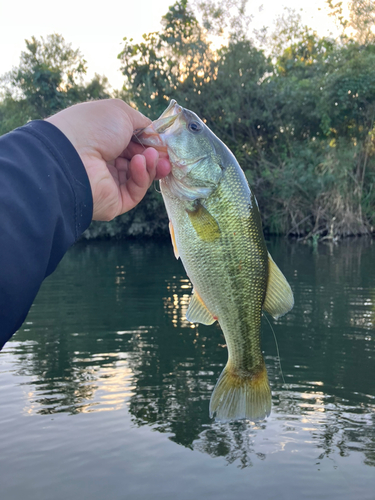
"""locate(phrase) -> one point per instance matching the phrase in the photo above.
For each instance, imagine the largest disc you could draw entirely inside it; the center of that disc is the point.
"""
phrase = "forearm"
(45, 205)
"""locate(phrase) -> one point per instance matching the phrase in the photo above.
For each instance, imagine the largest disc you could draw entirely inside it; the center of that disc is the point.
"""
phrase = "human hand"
(119, 171)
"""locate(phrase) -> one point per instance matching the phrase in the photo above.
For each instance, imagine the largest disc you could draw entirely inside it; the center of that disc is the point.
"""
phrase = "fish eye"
(194, 127)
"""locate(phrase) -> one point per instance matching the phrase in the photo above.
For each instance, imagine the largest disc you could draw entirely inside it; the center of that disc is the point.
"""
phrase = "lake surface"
(104, 392)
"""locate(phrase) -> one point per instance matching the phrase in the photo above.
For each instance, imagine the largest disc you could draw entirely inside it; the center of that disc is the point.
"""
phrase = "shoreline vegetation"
(296, 109)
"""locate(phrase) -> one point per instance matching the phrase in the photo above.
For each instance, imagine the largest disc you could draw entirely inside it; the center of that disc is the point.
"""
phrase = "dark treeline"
(296, 109)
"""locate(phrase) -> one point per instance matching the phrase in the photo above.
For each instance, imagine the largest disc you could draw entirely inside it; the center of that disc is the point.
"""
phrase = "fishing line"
(277, 348)
(136, 139)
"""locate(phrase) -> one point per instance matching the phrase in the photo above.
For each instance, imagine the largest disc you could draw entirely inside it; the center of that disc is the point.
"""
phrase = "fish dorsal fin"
(279, 296)
(175, 249)
(197, 311)
(204, 223)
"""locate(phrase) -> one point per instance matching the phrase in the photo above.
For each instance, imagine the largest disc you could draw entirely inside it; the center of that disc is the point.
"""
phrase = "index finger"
(132, 149)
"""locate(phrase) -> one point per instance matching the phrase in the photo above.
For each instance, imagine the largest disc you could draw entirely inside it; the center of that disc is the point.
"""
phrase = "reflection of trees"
(347, 431)
(110, 326)
(78, 320)
(328, 336)
(175, 379)
(234, 441)
(59, 383)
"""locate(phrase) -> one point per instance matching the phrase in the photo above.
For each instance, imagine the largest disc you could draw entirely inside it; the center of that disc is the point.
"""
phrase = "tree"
(299, 121)
(48, 79)
(225, 17)
(166, 64)
(13, 113)
(358, 24)
(49, 72)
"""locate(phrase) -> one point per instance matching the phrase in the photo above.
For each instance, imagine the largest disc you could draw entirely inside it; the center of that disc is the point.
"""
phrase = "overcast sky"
(98, 29)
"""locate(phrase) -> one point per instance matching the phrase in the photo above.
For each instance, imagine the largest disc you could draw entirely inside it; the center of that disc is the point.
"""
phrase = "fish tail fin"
(240, 394)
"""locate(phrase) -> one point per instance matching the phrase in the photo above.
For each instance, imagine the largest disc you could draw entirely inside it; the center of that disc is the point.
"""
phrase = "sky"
(98, 29)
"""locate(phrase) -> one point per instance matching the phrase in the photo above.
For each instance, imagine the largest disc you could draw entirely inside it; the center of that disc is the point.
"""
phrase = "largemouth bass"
(216, 230)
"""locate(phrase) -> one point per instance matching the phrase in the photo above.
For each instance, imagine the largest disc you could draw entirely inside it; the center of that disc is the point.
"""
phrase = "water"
(104, 391)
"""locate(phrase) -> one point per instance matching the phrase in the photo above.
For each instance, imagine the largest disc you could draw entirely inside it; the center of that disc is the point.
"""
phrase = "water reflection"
(108, 330)
(234, 441)
(177, 300)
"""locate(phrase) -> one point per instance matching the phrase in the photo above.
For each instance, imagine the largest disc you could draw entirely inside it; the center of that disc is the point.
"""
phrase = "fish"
(216, 231)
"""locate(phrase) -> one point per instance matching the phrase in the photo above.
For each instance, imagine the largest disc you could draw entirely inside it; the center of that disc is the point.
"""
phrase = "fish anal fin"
(279, 296)
(175, 250)
(241, 395)
(197, 311)
(204, 223)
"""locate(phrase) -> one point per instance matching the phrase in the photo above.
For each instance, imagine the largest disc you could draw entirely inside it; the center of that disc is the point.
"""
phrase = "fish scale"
(243, 258)
(216, 230)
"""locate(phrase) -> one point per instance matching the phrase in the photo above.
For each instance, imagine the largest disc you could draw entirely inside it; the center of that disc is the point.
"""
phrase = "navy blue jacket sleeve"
(45, 205)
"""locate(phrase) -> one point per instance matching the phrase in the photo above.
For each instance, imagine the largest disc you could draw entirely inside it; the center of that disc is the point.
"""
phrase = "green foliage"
(49, 70)
(49, 78)
(349, 92)
(167, 63)
(300, 121)
(287, 31)
(13, 113)
(301, 125)
(148, 219)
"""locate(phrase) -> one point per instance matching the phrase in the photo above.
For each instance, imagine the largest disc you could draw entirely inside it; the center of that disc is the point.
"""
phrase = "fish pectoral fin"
(204, 223)
(197, 311)
(175, 250)
(279, 296)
